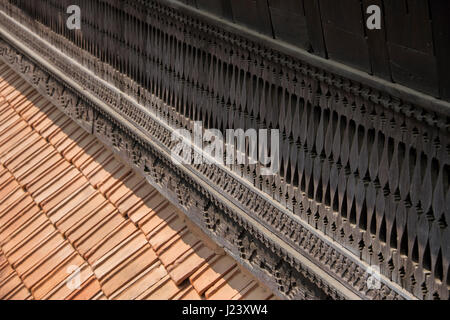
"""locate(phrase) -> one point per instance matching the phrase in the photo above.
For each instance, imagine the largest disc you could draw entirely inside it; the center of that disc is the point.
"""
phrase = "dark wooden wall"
(412, 48)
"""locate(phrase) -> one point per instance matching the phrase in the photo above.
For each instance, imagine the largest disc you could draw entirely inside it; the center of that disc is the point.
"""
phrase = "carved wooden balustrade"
(365, 164)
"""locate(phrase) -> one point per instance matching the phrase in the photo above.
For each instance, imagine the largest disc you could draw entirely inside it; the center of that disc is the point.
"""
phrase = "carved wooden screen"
(364, 164)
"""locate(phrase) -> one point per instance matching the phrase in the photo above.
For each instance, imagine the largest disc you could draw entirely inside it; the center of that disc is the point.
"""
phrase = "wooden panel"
(222, 8)
(253, 14)
(440, 13)
(289, 22)
(315, 30)
(409, 36)
(344, 32)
